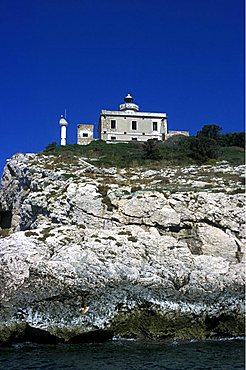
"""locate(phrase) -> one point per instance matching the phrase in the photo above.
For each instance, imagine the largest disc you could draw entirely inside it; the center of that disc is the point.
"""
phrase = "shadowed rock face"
(89, 253)
(5, 219)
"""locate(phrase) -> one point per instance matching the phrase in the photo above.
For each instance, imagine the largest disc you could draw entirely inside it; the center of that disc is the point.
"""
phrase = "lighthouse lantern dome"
(62, 121)
(129, 104)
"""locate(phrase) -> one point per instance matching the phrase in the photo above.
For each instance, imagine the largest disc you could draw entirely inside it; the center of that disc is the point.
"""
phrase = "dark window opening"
(134, 125)
(154, 126)
(104, 132)
(85, 134)
(113, 123)
(134, 138)
(113, 137)
(143, 133)
(125, 133)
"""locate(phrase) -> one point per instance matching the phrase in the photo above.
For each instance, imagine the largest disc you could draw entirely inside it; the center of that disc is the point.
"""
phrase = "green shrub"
(50, 148)
(151, 150)
(202, 148)
(177, 150)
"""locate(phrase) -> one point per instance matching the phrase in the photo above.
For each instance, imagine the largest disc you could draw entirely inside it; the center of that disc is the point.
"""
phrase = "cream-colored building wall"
(124, 131)
(85, 134)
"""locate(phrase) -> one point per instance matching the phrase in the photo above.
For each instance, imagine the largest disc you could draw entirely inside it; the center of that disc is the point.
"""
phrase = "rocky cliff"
(89, 253)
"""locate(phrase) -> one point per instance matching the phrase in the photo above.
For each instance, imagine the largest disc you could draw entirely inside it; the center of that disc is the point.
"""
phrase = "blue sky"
(183, 57)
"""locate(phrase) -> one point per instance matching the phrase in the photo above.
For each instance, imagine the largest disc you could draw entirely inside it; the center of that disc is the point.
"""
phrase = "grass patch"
(173, 152)
(4, 233)
(232, 154)
(31, 233)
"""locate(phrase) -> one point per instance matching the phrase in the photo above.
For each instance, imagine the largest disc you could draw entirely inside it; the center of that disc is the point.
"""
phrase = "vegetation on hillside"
(228, 139)
(206, 147)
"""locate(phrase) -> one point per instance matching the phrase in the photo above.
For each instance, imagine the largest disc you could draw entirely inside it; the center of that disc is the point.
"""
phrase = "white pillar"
(63, 135)
(63, 123)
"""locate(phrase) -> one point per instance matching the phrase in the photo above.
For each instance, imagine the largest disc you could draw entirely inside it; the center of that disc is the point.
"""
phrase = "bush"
(51, 147)
(203, 148)
(177, 150)
(151, 150)
(233, 139)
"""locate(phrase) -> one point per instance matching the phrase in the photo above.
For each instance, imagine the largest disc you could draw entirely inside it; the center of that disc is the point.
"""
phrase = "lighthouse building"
(129, 124)
(124, 125)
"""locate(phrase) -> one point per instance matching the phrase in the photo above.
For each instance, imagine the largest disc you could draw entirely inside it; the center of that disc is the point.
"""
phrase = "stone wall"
(85, 134)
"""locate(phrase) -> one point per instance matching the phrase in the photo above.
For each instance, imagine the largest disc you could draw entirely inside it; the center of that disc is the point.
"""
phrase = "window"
(113, 137)
(104, 132)
(85, 134)
(134, 138)
(154, 126)
(113, 123)
(134, 125)
(143, 133)
(125, 133)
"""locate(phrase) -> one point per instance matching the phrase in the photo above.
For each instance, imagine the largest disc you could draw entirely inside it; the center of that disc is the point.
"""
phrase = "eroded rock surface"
(151, 253)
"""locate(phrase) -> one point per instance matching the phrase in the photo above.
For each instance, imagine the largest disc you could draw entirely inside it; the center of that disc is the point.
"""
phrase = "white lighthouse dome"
(63, 122)
(129, 105)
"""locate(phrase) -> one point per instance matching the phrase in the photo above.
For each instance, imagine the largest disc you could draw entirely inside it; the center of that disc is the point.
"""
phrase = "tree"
(233, 139)
(210, 131)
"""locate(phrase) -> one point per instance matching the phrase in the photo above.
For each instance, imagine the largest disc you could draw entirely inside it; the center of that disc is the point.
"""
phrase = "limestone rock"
(85, 249)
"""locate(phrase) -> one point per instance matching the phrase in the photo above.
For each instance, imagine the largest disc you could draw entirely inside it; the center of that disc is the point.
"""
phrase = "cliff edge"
(89, 253)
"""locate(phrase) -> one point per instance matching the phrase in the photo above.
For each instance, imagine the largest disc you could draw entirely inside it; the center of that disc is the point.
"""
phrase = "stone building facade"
(85, 134)
(128, 124)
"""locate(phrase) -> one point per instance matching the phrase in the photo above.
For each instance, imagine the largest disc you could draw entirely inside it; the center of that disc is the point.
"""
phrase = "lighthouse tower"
(63, 123)
(129, 105)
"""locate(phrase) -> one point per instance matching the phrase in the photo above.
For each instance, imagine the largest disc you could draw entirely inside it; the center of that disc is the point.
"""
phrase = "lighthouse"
(63, 123)
(129, 105)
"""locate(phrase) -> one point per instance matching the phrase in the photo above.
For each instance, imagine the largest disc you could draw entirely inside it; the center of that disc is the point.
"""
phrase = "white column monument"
(63, 123)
